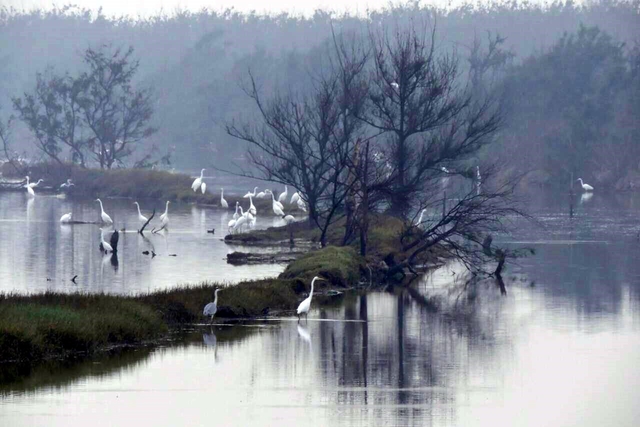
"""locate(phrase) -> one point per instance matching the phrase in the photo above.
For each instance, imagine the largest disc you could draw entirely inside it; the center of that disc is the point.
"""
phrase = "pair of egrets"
(304, 307)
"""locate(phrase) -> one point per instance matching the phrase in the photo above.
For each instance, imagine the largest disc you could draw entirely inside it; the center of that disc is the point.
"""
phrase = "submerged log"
(245, 258)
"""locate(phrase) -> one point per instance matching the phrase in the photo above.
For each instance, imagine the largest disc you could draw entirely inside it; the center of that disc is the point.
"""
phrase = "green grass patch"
(37, 326)
(341, 266)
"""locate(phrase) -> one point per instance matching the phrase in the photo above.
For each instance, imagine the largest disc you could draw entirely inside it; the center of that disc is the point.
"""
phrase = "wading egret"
(283, 196)
(231, 225)
(106, 247)
(164, 218)
(585, 187)
(302, 205)
(295, 198)
(236, 215)
(30, 192)
(240, 222)
(249, 193)
(276, 204)
(66, 218)
(211, 308)
(261, 195)
(305, 305)
(198, 181)
(252, 208)
(289, 219)
(105, 218)
(143, 219)
(223, 202)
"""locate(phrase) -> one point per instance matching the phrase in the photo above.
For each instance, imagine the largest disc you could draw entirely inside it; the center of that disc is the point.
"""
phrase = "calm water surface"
(38, 253)
(561, 349)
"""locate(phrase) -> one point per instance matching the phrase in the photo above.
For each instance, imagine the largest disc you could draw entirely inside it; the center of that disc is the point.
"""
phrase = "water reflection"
(562, 352)
(36, 247)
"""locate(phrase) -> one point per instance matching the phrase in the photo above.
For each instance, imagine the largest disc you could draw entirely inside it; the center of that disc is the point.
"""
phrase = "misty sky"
(153, 7)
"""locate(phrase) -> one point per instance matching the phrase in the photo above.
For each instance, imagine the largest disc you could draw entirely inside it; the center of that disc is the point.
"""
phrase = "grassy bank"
(52, 325)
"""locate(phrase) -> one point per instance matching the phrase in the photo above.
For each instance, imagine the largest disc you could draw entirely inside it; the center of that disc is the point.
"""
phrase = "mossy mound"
(341, 266)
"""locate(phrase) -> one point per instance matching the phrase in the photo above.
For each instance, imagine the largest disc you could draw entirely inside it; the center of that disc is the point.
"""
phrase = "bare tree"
(306, 140)
(5, 138)
(428, 120)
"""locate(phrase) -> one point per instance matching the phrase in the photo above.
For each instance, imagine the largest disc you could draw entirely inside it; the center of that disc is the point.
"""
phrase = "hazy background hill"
(195, 61)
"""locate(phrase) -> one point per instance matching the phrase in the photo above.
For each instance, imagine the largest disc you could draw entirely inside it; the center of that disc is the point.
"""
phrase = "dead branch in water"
(141, 231)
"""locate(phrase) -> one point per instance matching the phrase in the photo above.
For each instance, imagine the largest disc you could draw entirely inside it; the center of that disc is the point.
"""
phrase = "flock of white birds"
(240, 219)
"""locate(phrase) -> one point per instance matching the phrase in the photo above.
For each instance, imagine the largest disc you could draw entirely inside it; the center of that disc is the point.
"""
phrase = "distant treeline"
(569, 78)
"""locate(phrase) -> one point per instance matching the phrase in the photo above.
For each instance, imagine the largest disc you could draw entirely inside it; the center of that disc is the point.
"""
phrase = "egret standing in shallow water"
(30, 192)
(211, 308)
(164, 218)
(249, 193)
(223, 202)
(106, 247)
(585, 187)
(283, 196)
(143, 219)
(197, 183)
(305, 305)
(105, 218)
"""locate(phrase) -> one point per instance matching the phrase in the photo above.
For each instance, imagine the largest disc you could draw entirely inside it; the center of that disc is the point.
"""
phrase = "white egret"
(164, 218)
(283, 196)
(478, 177)
(240, 222)
(198, 181)
(585, 187)
(249, 193)
(212, 308)
(105, 246)
(231, 225)
(261, 195)
(276, 203)
(236, 215)
(295, 198)
(143, 219)
(223, 202)
(105, 218)
(252, 208)
(302, 205)
(203, 187)
(66, 218)
(35, 184)
(277, 210)
(305, 305)
(30, 192)
(395, 85)
(289, 219)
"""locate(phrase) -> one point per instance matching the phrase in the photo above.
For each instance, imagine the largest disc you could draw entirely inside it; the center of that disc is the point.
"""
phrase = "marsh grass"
(38, 326)
(48, 325)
